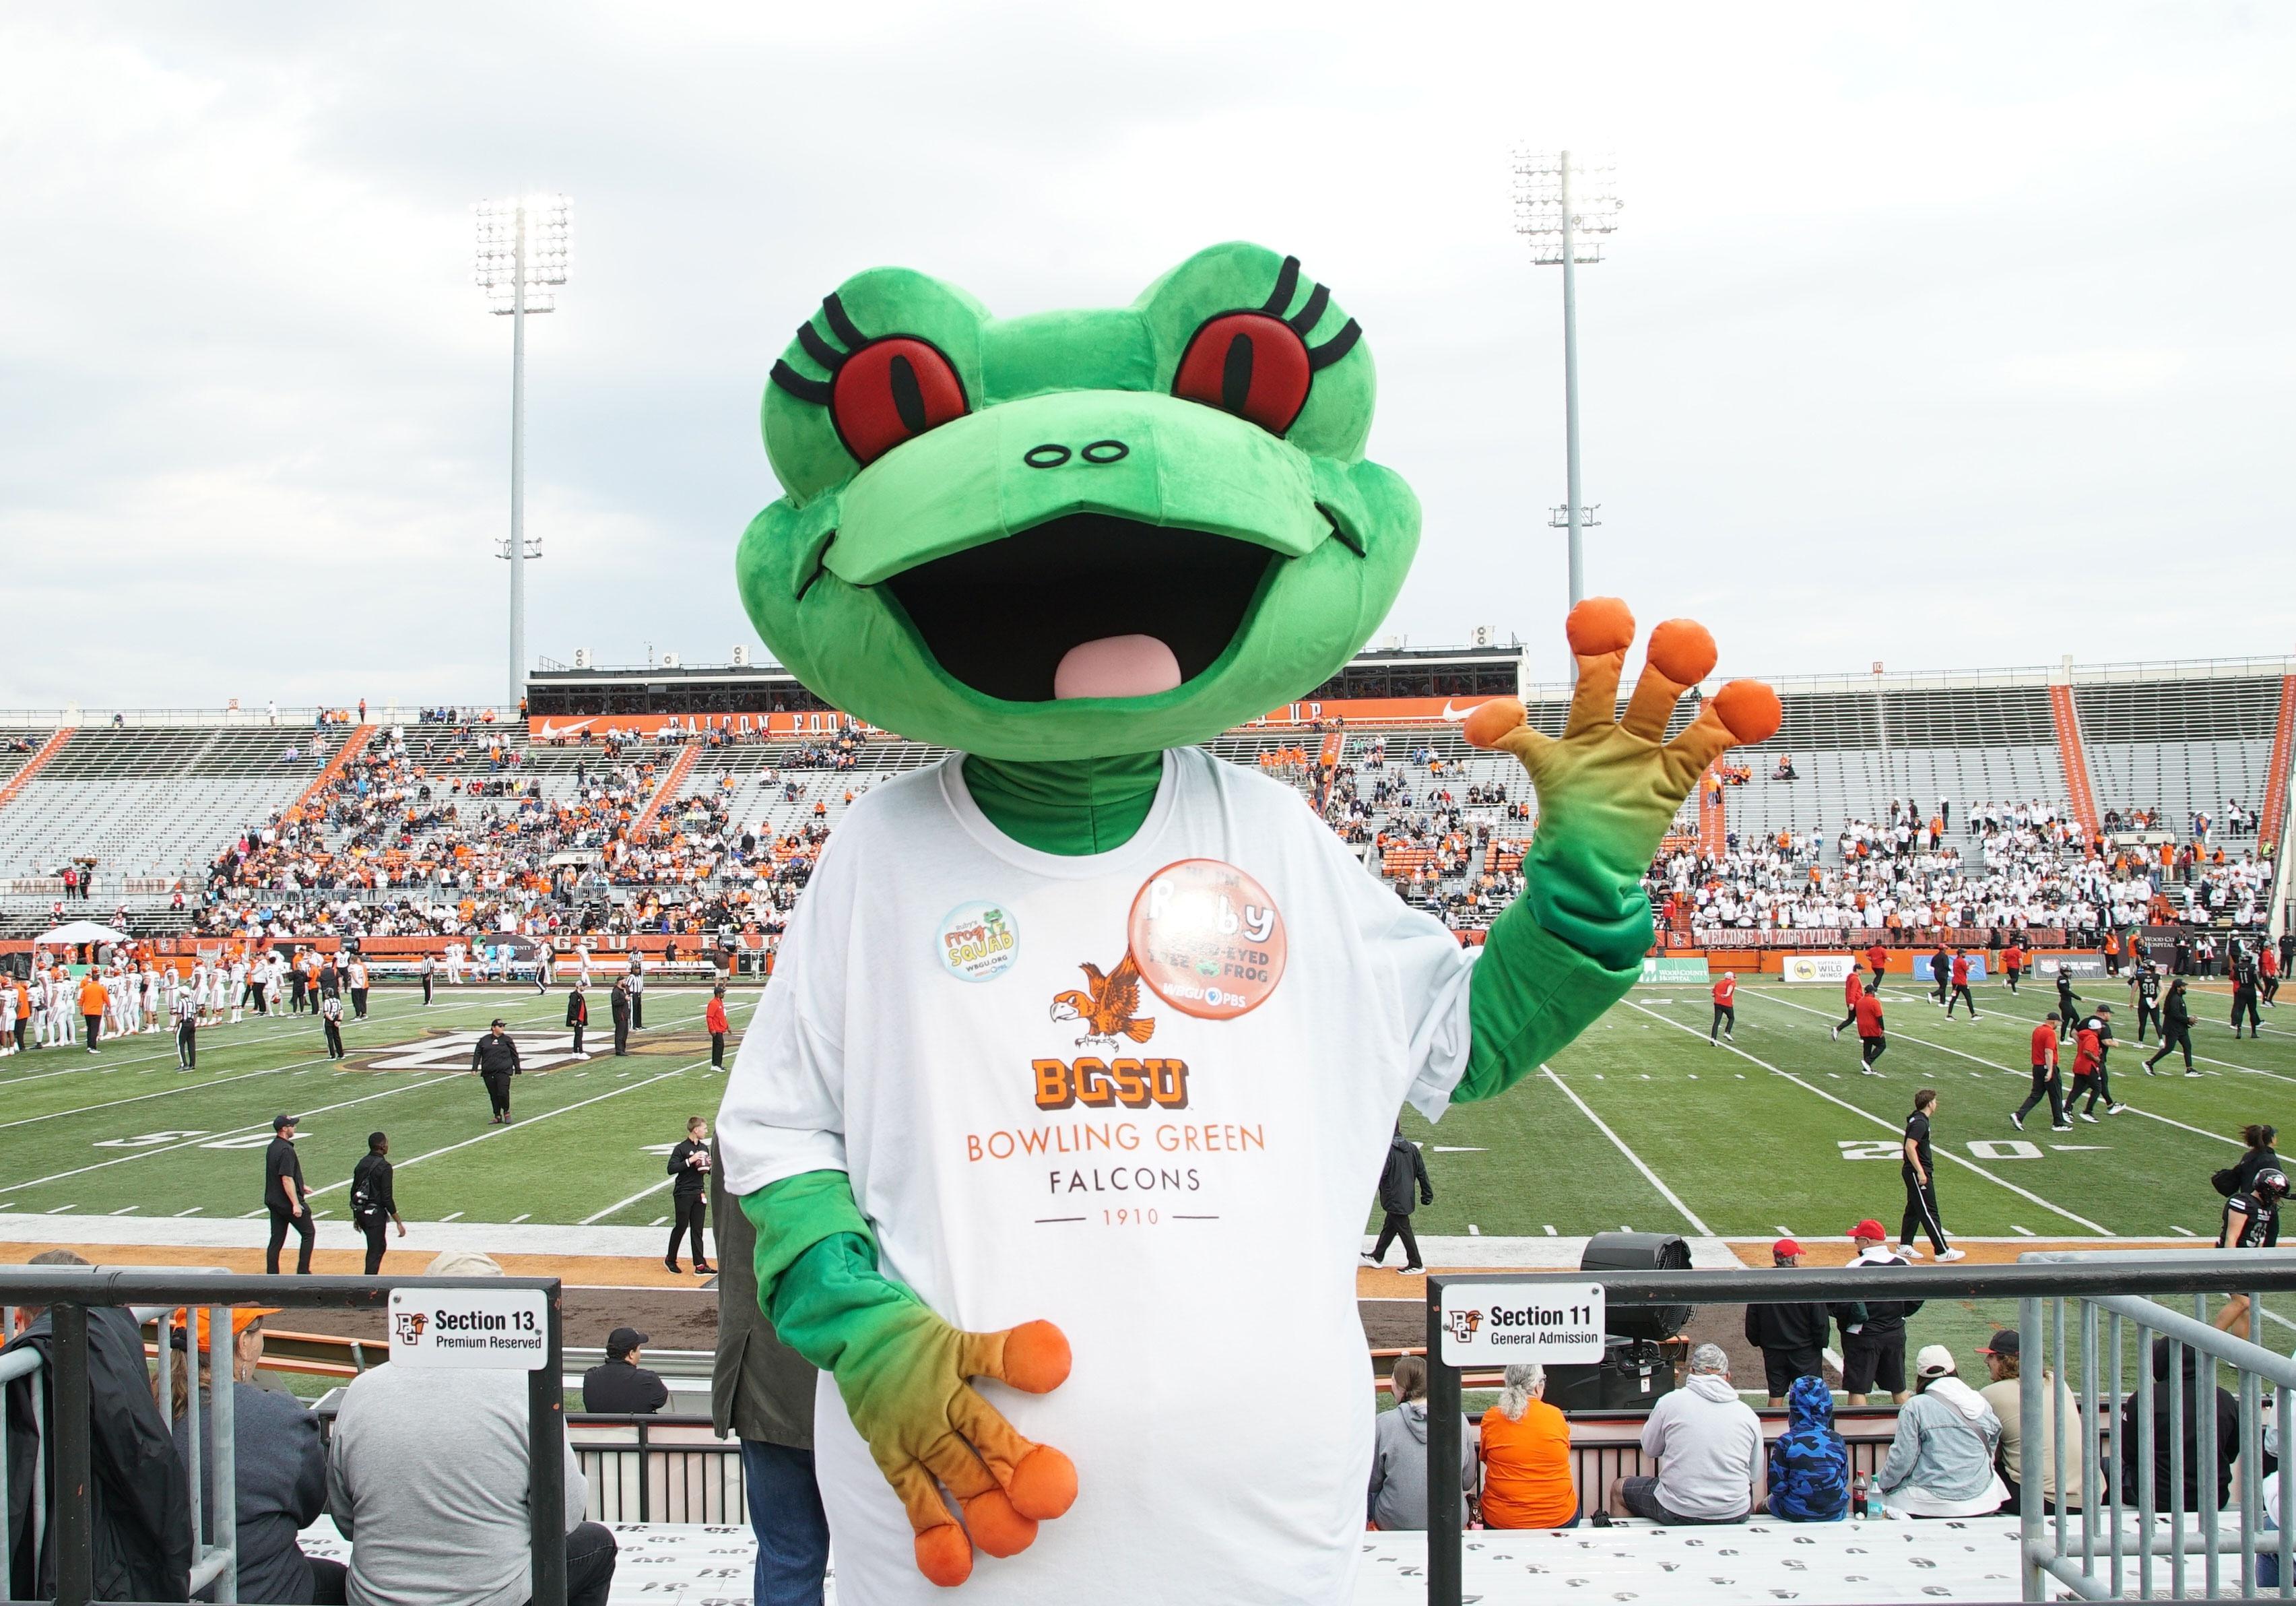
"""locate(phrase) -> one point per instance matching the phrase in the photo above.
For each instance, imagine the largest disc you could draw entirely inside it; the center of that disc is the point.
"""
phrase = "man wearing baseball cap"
(286, 1197)
(1874, 1329)
(2003, 1365)
(620, 1386)
(1791, 1335)
(1940, 1463)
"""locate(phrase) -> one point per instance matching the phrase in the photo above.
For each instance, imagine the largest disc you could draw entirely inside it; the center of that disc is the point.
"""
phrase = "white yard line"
(1672, 1198)
(504, 1132)
(1942, 1049)
(208, 1137)
(1868, 1115)
(633, 1199)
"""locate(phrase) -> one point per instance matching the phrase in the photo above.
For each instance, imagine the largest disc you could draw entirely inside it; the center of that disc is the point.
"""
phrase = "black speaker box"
(1633, 1374)
(1639, 1252)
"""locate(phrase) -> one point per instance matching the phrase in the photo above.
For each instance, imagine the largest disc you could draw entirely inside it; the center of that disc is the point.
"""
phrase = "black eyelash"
(848, 334)
(1287, 285)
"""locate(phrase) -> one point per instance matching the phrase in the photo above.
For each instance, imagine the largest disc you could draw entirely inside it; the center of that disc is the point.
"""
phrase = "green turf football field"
(122, 1132)
(1640, 1124)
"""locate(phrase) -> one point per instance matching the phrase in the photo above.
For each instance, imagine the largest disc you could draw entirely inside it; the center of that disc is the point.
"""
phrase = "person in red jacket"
(1871, 1042)
(2267, 965)
(1961, 994)
(2088, 1049)
(1853, 988)
(1878, 957)
(714, 1019)
(1725, 1008)
(2046, 1083)
(2013, 962)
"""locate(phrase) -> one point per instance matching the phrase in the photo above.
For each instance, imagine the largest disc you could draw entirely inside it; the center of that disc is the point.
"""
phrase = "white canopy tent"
(79, 931)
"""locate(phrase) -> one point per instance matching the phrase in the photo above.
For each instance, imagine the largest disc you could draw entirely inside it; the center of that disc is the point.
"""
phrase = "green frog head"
(1075, 534)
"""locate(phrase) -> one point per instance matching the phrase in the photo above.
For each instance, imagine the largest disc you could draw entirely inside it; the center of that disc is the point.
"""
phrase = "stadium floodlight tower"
(522, 260)
(1564, 206)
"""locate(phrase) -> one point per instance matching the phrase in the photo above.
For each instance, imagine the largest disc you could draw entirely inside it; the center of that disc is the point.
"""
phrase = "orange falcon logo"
(1107, 1009)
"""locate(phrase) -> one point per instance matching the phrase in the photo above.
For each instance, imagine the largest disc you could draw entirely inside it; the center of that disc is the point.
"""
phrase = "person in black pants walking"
(2176, 1027)
(2243, 990)
(284, 1196)
(689, 1163)
(621, 1009)
(578, 1012)
(187, 1029)
(375, 1205)
(1921, 1182)
(2047, 1082)
(495, 1058)
(2068, 1018)
(1406, 1171)
(2146, 983)
(331, 1019)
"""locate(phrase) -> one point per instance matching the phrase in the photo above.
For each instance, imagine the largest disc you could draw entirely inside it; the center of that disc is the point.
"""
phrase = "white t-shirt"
(1228, 1205)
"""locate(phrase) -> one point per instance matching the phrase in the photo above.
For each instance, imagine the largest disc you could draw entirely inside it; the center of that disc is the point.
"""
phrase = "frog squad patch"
(1208, 939)
(978, 941)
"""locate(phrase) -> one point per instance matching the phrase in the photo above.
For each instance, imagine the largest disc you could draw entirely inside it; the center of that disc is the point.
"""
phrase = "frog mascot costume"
(1084, 1049)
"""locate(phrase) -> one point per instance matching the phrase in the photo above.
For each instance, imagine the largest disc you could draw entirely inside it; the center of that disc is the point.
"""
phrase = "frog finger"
(943, 1553)
(1742, 712)
(1041, 1480)
(1501, 725)
(1682, 653)
(990, 1519)
(1601, 629)
(1033, 1357)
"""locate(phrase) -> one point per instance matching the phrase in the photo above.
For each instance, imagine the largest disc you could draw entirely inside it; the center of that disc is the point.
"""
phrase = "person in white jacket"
(1940, 1464)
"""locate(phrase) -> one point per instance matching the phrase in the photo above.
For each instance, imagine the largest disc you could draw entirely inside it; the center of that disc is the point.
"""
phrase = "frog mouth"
(1088, 604)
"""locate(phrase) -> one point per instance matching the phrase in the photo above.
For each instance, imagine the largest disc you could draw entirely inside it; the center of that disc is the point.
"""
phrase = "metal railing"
(2093, 1551)
(59, 1514)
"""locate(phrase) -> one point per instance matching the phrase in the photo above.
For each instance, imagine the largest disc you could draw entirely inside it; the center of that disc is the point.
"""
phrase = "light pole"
(521, 256)
(1565, 208)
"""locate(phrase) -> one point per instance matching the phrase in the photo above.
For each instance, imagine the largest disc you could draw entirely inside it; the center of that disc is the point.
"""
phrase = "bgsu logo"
(411, 1324)
(1461, 1324)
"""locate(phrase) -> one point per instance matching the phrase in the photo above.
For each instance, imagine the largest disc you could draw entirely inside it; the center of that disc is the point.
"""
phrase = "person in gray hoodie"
(1940, 1463)
(1708, 1450)
(1399, 1456)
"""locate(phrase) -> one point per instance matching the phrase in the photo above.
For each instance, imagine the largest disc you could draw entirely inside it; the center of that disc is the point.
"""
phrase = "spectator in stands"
(429, 1478)
(139, 1499)
(2165, 1443)
(1792, 1335)
(619, 1386)
(1809, 1463)
(2005, 1395)
(1524, 1445)
(1708, 1446)
(762, 1392)
(1403, 1179)
(1398, 1459)
(279, 1466)
(1940, 1463)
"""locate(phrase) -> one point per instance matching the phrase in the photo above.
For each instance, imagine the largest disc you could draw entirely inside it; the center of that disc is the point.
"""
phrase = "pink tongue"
(1117, 666)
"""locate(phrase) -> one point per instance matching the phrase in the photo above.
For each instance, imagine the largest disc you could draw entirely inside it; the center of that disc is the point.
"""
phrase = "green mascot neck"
(1087, 805)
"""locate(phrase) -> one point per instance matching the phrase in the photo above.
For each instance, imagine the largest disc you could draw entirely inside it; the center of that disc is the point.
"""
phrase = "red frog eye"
(891, 390)
(1249, 364)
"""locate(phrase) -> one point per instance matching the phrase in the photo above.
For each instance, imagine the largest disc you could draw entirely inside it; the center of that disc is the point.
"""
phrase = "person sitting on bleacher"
(428, 1478)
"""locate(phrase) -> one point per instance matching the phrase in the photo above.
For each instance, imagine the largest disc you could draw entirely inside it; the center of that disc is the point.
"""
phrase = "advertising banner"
(1819, 967)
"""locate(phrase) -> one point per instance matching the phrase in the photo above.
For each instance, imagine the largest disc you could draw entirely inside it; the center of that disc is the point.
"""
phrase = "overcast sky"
(1946, 335)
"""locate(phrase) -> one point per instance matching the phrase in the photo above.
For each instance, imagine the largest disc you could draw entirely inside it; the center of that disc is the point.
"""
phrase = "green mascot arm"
(904, 1375)
(1570, 947)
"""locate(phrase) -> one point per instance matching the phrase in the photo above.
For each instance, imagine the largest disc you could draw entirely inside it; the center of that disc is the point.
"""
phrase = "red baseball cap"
(1785, 1245)
(1870, 1229)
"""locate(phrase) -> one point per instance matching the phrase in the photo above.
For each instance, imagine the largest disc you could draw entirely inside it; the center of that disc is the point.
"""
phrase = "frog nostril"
(1106, 451)
(1051, 455)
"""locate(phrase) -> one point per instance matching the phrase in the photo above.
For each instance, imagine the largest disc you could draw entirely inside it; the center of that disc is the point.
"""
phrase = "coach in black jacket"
(1792, 1337)
(495, 1058)
(140, 1497)
(578, 1012)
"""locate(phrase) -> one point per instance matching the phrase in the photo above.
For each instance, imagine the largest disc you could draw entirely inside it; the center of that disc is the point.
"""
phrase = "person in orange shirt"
(713, 1019)
(1725, 1008)
(93, 997)
(1526, 1453)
